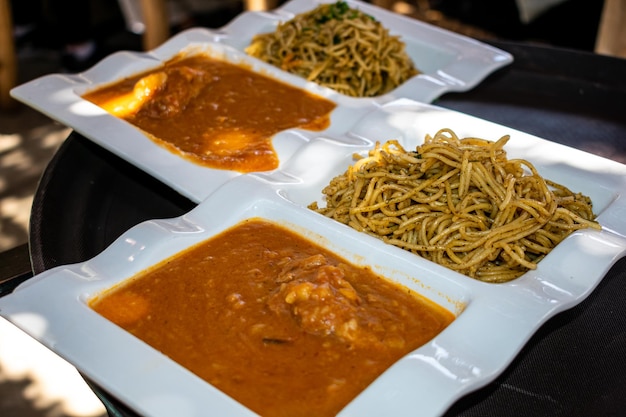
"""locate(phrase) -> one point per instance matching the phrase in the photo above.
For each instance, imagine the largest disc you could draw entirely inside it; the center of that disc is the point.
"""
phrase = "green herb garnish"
(337, 11)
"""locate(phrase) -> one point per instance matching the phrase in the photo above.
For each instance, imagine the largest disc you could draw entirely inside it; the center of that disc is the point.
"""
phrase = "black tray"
(573, 366)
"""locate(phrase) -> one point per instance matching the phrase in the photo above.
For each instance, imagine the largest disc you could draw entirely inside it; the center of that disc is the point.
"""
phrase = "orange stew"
(212, 112)
(273, 320)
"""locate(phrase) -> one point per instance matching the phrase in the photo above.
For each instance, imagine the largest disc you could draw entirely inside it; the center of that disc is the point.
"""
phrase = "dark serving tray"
(573, 366)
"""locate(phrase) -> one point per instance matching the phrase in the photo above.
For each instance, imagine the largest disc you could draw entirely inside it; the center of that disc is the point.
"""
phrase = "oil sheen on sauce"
(275, 321)
(212, 112)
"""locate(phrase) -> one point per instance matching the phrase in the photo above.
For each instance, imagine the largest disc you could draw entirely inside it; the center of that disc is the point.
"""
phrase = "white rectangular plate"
(450, 62)
(493, 322)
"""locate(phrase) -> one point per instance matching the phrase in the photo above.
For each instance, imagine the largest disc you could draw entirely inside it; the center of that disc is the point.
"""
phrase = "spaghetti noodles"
(460, 203)
(338, 47)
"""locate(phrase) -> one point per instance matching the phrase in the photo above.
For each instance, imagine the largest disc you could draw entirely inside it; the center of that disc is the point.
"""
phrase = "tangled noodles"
(460, 203)
(338, 47)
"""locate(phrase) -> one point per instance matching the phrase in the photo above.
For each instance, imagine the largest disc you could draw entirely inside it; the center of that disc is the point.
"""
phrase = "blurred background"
(52, 36)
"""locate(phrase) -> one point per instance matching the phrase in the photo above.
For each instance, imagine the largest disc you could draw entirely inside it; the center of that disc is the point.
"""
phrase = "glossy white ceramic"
(493, 322)
(450, 62)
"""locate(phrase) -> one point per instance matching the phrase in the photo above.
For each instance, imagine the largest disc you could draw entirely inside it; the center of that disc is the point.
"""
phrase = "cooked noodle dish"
(459, 202)
(338, 47)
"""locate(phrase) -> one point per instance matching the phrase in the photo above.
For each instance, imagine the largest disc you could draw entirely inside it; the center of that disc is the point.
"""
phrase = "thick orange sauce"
(212, 112)
(278, 323)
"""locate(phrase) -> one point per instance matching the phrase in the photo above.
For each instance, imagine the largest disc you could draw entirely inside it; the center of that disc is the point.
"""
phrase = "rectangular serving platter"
(450, 62)
(493, 321)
